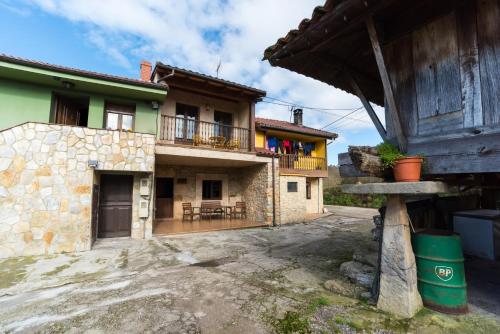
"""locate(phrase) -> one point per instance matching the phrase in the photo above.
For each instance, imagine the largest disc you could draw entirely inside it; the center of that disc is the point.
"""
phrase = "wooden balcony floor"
(175, 226)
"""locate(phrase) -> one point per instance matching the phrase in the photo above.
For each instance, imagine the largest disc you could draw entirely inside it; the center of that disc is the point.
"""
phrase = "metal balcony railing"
(187, 131)
(292, 161)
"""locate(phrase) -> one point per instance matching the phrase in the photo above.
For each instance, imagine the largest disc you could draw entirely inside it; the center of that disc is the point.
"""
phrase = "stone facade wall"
(258, 192)
(293, 204)
(46, 183)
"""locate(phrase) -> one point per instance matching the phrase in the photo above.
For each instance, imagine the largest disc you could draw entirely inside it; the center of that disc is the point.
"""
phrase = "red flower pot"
(407, 169)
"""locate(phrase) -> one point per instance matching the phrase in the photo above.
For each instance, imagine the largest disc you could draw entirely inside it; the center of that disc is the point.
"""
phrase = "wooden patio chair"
(188, 211)
(239, 210)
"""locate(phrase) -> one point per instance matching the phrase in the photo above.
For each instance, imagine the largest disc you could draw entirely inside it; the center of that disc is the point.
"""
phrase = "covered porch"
(179, 226)
(199, 190)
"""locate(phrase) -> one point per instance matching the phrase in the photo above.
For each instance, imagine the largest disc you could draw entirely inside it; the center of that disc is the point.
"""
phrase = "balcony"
(310, 166)
(193, 132)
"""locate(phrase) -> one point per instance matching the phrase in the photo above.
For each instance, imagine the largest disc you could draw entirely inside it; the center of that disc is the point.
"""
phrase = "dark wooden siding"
(488, 23)
(446, 80)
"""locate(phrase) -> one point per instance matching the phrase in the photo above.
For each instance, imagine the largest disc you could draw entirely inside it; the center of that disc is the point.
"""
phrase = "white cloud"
(196, 34)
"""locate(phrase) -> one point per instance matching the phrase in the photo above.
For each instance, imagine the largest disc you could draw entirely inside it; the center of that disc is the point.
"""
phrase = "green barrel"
(440, 271)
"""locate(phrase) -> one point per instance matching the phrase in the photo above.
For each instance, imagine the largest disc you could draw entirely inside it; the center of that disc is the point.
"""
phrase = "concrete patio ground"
(266, 280)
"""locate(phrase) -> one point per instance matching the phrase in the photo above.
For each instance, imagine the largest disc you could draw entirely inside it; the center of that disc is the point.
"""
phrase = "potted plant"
(405, 168)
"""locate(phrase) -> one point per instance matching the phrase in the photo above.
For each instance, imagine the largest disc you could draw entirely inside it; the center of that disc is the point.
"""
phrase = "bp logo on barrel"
(444, 273)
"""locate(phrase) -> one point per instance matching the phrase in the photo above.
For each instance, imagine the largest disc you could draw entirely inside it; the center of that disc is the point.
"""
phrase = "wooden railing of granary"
(184, 131)
(313, 166)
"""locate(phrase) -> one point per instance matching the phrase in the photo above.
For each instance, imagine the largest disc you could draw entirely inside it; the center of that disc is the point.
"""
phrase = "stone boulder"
(370, 259)
(359, 273)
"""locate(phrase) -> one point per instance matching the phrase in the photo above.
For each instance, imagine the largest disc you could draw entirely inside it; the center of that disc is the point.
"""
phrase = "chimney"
(145, 70)
(297, 117)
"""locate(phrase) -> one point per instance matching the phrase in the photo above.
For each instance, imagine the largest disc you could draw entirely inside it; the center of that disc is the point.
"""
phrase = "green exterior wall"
(22, 102)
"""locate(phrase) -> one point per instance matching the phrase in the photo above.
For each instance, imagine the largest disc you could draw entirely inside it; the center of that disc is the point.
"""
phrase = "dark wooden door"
(115, 206)
(164, 197)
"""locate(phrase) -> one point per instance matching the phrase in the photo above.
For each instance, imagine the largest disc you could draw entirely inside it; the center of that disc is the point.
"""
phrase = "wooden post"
(398, 271)
(393, 110)
(376, 121)
(251, 126)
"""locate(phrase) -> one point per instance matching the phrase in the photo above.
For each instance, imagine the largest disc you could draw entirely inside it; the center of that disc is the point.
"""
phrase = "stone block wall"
(258, 192)
(46, 183)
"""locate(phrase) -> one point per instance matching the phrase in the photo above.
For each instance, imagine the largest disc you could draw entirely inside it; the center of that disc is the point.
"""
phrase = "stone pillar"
(398, 277)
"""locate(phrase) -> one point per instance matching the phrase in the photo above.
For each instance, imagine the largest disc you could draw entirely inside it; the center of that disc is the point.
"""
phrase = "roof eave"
(333, 136)
(254, 91)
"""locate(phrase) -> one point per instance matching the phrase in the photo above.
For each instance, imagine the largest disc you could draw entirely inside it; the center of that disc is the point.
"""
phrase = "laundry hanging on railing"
(288, 146)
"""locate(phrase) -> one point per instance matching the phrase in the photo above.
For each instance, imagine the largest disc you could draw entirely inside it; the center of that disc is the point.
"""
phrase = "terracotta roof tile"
(76, 71)
(287, 126)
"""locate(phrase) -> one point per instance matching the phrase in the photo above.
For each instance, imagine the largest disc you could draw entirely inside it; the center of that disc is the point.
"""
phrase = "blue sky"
(113, 36)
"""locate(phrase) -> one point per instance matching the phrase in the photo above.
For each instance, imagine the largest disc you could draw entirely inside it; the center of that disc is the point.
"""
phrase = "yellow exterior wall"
(260, 137)
(319, 151)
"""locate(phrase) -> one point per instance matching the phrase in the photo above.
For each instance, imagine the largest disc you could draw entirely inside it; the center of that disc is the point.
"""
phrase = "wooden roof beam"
(388, 92)
(376, 121)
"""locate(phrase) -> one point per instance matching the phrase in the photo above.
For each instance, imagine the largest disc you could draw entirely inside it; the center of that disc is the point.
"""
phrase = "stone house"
(301, 152)
(85, 155)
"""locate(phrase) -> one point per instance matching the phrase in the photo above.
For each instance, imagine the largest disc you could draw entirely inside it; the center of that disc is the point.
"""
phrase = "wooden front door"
(164, 197)
(115, 206)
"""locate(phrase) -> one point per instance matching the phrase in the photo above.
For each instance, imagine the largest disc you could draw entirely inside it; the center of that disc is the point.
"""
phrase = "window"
(308, 189)
(185, 121)
(70, 110)
(292, 187)
(212, 190)
(223, 123)
(120, 117)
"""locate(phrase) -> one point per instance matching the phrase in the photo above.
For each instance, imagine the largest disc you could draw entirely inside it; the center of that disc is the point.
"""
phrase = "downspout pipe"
(274, 192)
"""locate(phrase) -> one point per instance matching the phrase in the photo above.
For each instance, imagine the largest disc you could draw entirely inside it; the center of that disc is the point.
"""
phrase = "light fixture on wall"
(68, 84)
(155, 105)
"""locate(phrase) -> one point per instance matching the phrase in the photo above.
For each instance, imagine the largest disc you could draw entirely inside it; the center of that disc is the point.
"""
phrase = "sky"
(113, 36)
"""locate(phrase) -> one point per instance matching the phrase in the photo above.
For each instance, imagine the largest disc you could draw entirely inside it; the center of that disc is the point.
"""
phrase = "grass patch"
(13, 271)
(335, 196)
(291, 323)
(318, 302)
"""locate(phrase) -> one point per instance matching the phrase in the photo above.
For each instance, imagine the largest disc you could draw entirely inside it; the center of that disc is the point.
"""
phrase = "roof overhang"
(334, 43)
(178, 78)
(49, 75)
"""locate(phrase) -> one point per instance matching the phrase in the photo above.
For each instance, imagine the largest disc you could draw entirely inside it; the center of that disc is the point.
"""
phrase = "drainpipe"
(274, 193)
(319, 200)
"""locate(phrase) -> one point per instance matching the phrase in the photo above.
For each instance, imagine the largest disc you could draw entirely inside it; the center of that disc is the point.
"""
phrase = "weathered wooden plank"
(386, 82)
(448, 68)
(488, 29)
(425, 72)
(456, 134)
(398, 55)
(469, 64)
(480, 154)
(437, 71)
(440, 123)
(373, 116)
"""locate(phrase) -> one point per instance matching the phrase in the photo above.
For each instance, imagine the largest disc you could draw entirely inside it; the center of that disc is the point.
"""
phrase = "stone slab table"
(398, 273)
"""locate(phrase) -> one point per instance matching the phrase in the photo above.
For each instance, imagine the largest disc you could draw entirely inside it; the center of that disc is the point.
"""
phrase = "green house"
(32, 91)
